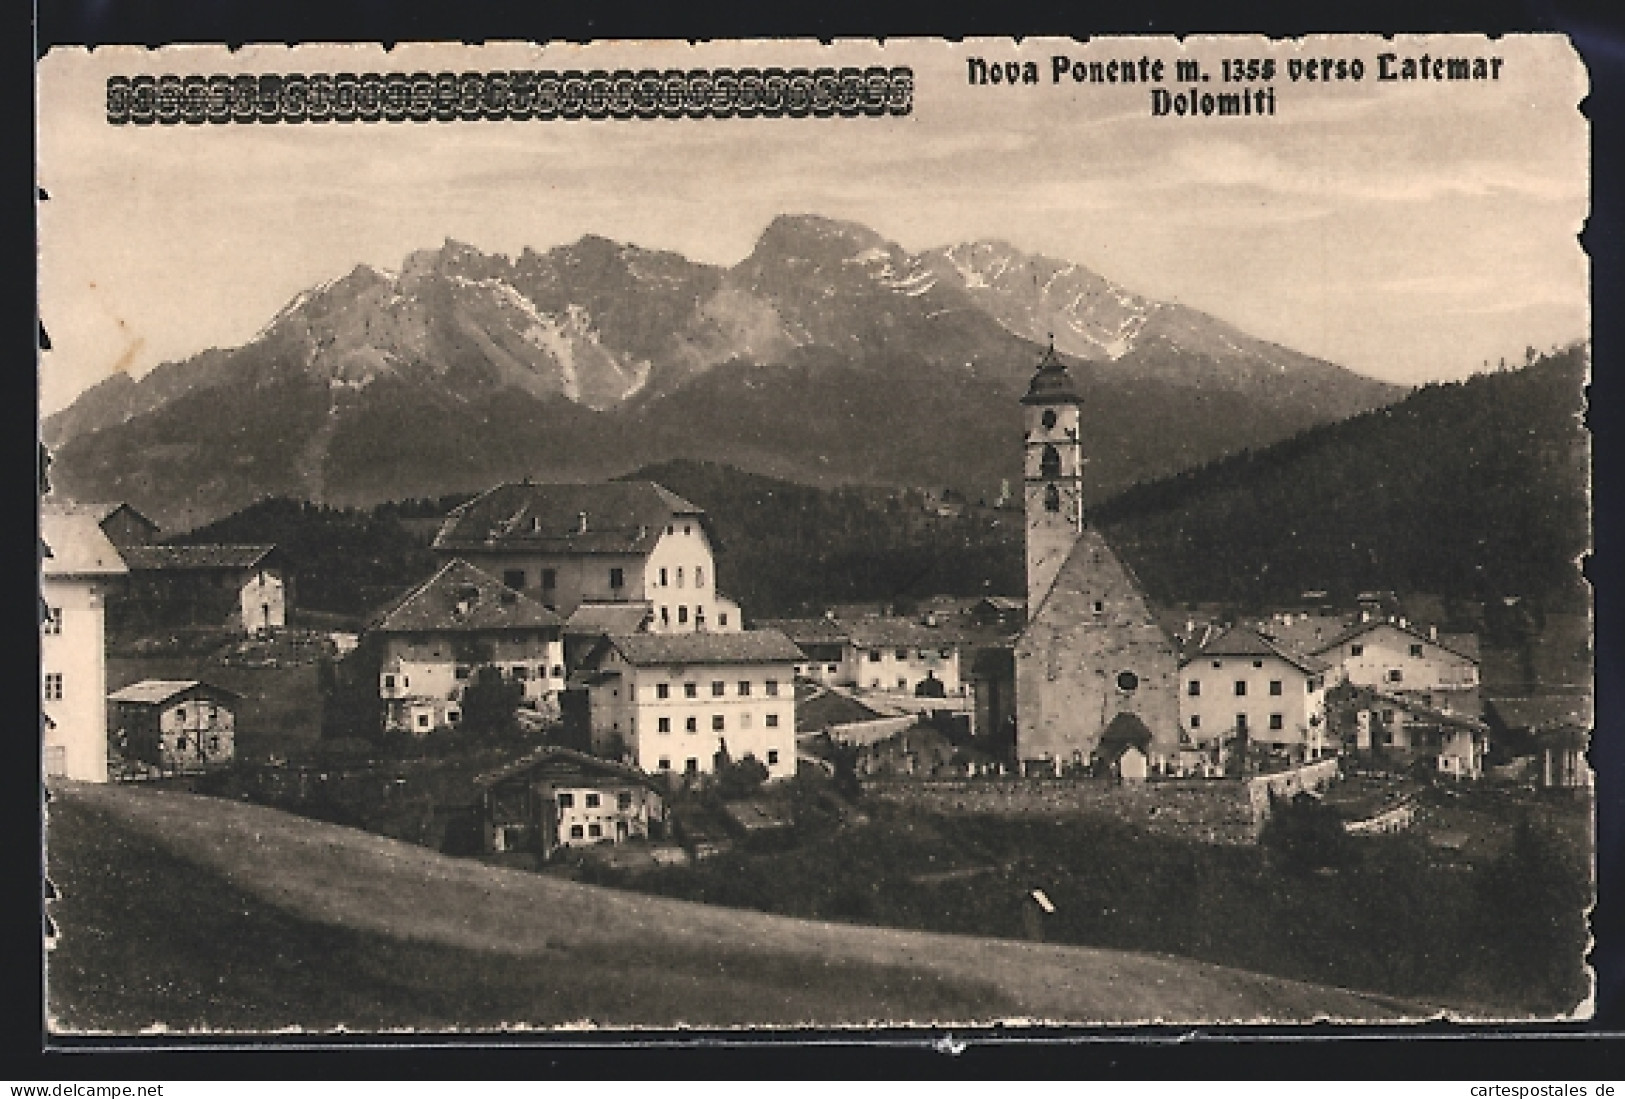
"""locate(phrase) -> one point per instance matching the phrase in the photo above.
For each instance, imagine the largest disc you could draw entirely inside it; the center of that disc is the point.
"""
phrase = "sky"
(1410, 231)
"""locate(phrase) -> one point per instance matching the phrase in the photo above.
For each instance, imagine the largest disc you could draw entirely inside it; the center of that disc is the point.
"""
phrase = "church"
(1096, 678)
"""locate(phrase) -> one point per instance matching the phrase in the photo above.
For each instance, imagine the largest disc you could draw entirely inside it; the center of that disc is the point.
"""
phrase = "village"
(590, 616)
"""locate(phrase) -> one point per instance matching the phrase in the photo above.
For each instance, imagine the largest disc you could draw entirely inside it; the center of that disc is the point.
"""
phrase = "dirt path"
(354, 879)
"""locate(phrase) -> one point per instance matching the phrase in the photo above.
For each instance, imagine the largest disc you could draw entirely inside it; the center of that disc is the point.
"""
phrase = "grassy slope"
(196, 912)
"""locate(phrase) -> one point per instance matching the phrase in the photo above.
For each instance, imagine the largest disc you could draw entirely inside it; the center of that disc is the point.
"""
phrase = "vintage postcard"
(781, 534)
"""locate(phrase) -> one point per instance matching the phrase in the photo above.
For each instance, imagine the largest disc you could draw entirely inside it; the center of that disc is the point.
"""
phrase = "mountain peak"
(818, 231)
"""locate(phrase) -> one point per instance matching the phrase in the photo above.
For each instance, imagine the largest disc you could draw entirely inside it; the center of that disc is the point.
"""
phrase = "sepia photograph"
(636, 536)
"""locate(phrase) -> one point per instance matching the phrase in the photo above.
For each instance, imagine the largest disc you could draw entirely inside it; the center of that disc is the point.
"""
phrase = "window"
(688, 528)
(662, 577)
(902, 683)
(691, 724)
(682, 616)
(717, 723)
(1049, 462)
(1416, 650)
(180, 744)
(1258, 663)
(1052, 498)
(423, 721)
(550, 579)
(1048, 419)
(663, 724)
(717, 688)
(1241, 723)
(214, 742)
(662, 690)
(771, 688)
(874, 656)
(1196, 721)
(576, 831)
(772, 721)
(1241, 688)
(1127, 681)
(691, 766)
(744, 688)
(1100, 607)
(462, 671)
(699, 617)
(594, 831)
(902, 654)
(1194, 688)
(558, 671)
(567, 801)
(617, 578)
(53, 686)
(1218, 663)
(665, 763)
(691, 690)
(772, 757)
(514, 578)
(520, 672)
(454, 716)
(665, 616)
(389, 683)
(722, 619)
(623, 800)
(593, 801)
(1275, 686)
(52, 622)
(1395, 675)
(1356, 650)
(180, 713)
(833, 667)
(679, 576)
(699, 576)
(1277, 721)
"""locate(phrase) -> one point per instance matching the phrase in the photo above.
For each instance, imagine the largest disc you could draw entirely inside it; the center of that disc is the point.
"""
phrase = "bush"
(1305, 835)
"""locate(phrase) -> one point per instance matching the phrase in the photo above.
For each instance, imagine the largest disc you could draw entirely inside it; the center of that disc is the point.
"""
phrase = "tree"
(1305, 834)
(742, 779)
(490, 703)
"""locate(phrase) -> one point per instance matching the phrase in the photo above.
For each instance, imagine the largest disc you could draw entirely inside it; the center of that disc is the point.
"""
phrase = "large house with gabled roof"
(670, 703)
(238, 587)
(78, 566)
(433, 640)
(1244, 695)
(621, 542)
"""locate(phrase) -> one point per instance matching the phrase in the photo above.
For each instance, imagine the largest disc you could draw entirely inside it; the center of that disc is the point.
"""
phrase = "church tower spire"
(1053, 473)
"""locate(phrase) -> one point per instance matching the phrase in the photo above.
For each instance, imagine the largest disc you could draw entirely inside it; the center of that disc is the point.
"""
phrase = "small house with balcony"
(434, 638)
(557, 798)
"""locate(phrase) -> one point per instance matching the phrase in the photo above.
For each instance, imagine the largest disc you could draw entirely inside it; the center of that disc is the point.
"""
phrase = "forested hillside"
(1474, 489)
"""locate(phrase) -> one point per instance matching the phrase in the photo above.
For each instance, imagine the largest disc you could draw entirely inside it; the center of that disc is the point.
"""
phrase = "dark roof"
(744, 647)
(808, 631)
(831, 708)
(213, 556)
(156, 692)
(621, 517)
(460, 597)
(1245, 641)
(994, 662)
(883, 632)
(1125, 729)
(596, 619)
(1361, 628)
(565, 758)
(1051, 384)
(1543, 712)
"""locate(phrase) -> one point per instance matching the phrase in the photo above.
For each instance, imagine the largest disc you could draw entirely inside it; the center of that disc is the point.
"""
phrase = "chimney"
(581, 522)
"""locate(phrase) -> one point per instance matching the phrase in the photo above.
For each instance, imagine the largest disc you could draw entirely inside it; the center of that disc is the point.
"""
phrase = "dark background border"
(1578, 1054)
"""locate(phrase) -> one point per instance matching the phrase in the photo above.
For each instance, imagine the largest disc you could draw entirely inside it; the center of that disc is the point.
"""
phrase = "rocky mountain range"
(827, 355)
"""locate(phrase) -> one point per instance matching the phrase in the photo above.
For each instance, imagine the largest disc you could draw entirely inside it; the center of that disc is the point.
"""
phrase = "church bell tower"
(1053, 474)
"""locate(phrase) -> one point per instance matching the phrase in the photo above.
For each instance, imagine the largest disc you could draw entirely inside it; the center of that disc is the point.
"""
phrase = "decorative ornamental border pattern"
(510, 95)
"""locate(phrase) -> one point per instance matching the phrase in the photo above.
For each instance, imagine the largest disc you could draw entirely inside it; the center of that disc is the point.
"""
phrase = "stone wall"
(1213, 811)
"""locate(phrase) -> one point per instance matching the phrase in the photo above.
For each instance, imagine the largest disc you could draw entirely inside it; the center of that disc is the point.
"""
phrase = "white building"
(671, 702)
(1242, 688)
(876, 654)
(435, 638)
(77, 565)
(1391, 656)
(618, 542)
